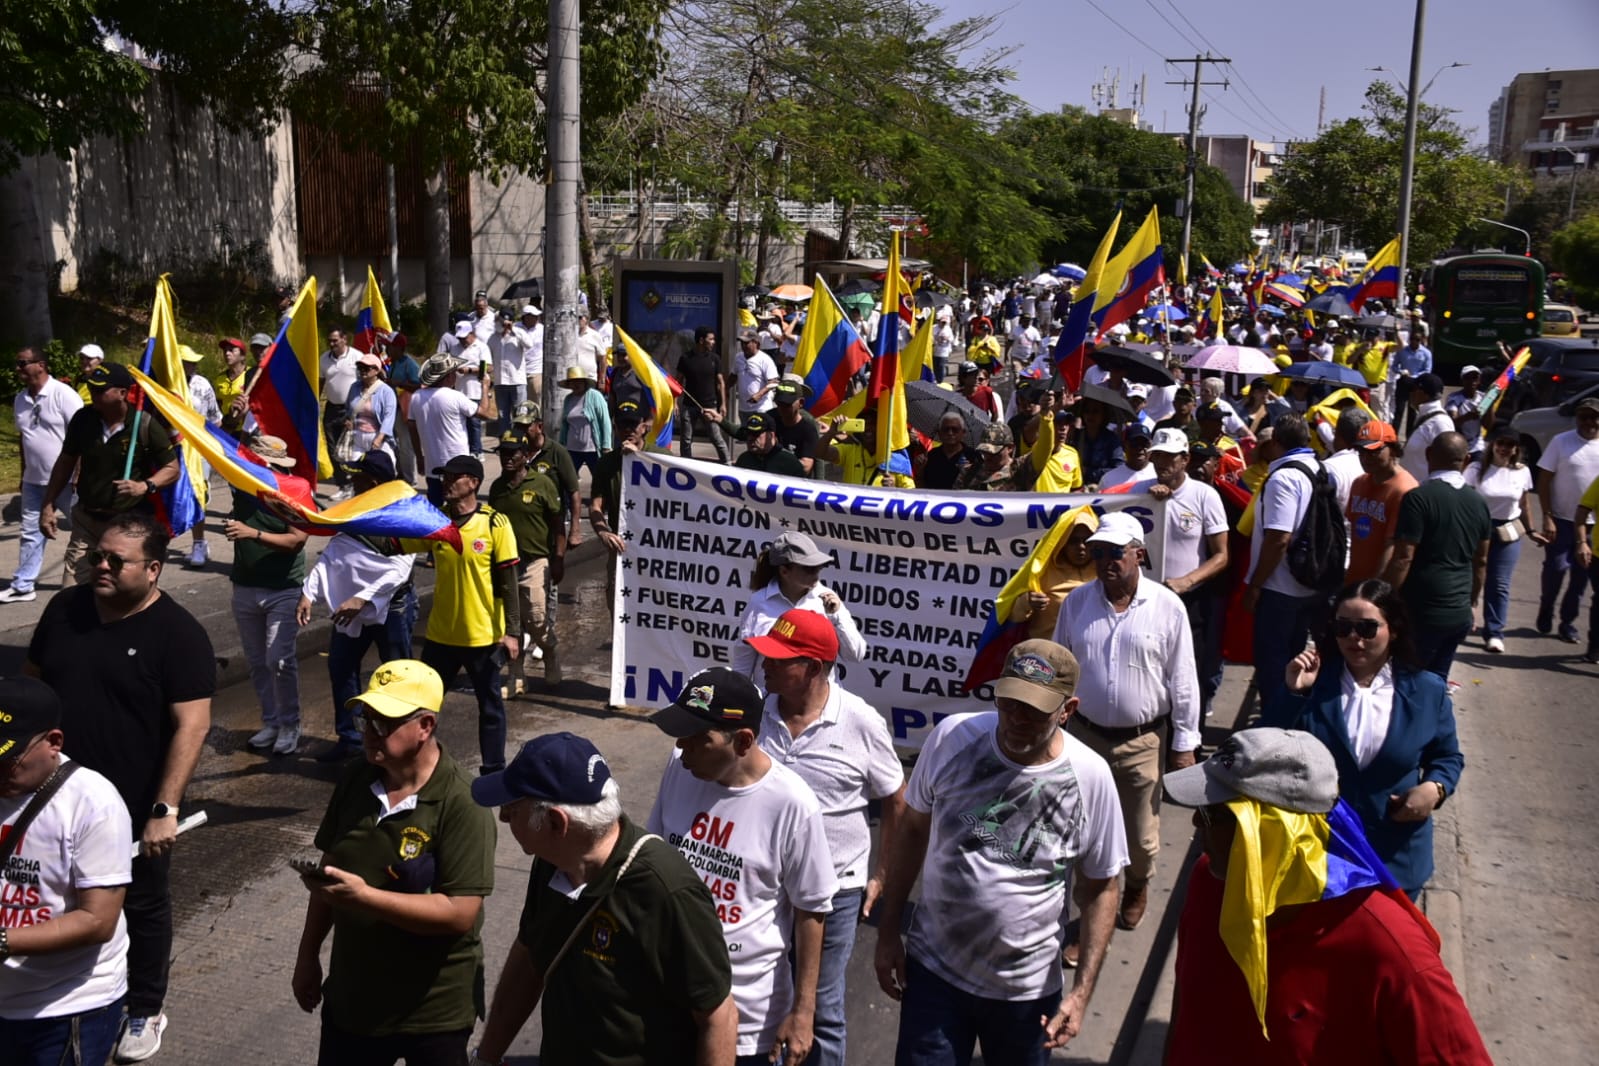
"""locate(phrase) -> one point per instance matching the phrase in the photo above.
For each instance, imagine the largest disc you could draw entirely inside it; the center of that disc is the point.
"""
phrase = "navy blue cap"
(555, 768)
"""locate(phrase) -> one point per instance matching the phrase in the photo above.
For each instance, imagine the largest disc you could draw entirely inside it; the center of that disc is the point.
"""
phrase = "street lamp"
(1424, 89)
(1505, 225)
(1578, 159)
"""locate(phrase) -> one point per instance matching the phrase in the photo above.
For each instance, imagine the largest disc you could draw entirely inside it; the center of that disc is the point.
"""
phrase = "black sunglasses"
(1365, 628)
(112, 560)
(1098, 552)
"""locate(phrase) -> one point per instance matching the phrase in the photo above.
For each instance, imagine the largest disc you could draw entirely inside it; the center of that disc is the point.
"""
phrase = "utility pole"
(1407, 171)
(1193, 146)
(1321, 111)
(561, 199)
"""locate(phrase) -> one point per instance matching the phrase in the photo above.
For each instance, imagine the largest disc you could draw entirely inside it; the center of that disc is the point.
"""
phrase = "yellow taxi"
(1560, 320)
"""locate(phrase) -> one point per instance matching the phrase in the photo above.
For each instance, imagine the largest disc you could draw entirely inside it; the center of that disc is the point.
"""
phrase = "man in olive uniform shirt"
(407, 859)
(766, 452)
(532, 501)
(96, 447)
(646, 981)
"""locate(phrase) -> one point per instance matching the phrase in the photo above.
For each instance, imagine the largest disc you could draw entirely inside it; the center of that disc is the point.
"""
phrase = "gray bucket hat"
(1285, 768)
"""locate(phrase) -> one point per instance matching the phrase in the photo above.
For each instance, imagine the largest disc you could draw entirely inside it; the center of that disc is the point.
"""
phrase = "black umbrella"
(1109, 397)
(926, 404)
(1144, 368)
(857, 287)
(1330, 303)
(932, 299)
(1328, 372)
(1377, 322)
(523, 291)
(754, 290)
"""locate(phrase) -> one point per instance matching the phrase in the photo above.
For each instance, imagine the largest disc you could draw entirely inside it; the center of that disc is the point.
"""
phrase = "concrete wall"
(181, 192)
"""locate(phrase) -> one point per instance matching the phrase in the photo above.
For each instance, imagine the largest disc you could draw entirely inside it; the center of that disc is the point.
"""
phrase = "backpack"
(1316, 555)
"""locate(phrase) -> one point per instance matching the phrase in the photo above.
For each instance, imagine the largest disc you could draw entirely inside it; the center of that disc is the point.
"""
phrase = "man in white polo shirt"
(1196, 553)
(753, 830)
(840, 746)
(43, 407)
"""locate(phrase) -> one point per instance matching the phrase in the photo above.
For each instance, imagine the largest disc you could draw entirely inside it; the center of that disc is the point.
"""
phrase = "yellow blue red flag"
(659, 406)
(830, 352)
(1381, 278)
(372, 320)
(181, 505)
(284, 399)
(1136, 271)
(887, 387)
(1071, 349)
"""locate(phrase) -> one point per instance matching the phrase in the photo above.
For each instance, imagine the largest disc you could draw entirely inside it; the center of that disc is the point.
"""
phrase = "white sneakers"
(1496, 645)
(140, 1039)
(12, 595)
(288, 741)
(199, 555)
(266, 738)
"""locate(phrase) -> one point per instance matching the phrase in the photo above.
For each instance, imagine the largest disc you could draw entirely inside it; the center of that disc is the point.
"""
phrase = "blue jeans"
(474, 435)
(1282, 623)
(1559, 557)
(53, 1041)
(1502, 559)
(838, 943)
(484, 673)
(506, 397)
(393, 638)
(1436, 645)
(31, 542)
(940, 1025)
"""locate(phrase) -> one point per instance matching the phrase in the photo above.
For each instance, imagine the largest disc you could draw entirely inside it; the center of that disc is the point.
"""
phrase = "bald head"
(1449, 452)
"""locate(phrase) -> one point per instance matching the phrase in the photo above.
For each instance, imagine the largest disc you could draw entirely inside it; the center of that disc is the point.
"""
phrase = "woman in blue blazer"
(1389, 725)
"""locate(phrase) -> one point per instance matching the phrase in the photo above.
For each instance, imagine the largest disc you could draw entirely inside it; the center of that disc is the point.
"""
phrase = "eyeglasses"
(1365, 628)
(384, 726)
(112, 560)
(11, 761)
(1098, 552)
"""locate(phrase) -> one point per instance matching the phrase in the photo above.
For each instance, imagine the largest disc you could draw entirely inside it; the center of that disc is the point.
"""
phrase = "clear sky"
(1282, 54)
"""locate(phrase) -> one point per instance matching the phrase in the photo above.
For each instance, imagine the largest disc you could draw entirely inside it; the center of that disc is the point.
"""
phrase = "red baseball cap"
(798, 634)
(1375, 434)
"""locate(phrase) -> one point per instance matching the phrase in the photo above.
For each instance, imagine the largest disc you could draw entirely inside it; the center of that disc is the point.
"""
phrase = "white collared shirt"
(348, 568)
(1367, 712)
(1454, 478)
(768, 605)
(1427, 429)
(1137, 665)
(847, 757)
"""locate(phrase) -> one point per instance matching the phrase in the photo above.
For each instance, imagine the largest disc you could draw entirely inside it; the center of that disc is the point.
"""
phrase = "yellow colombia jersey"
(1058, 469)
(465, 613)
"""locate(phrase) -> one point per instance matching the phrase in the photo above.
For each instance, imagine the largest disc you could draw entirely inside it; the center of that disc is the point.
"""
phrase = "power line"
(1248, 89)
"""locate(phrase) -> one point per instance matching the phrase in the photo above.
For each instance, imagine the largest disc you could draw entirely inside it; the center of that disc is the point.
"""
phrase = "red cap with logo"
(798, 634)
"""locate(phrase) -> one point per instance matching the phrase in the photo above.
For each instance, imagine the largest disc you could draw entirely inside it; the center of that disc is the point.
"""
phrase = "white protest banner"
(917, 569)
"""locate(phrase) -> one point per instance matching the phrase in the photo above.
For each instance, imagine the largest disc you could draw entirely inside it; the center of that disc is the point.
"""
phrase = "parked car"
(1560, 368)
(1560, 320)
(1536, 425)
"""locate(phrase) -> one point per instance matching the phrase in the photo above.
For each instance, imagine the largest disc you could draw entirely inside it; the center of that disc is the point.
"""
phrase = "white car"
(1536, 425)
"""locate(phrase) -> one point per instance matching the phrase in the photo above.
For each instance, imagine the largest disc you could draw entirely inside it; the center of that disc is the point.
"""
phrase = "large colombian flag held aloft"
(1138, 270)
(887, 387)
(659, 406)
(1000, 634)
(372, 320)
(390, 510)
(1381, 279)
(181, 505)
(284, 399)
(831, 351)
(1071, 350)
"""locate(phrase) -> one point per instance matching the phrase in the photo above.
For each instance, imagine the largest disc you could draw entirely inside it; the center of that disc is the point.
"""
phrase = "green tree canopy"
(1574, 251)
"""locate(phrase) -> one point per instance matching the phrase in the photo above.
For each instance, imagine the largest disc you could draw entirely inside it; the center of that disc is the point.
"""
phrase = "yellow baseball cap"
(402, 687)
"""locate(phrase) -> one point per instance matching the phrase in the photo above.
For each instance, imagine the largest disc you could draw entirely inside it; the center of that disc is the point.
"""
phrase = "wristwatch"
(149, 488)
(5, 943)
(163, 810)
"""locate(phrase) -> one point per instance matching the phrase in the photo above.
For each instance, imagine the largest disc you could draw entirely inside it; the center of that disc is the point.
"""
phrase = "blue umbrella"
(1169, 311)
(1330, 372)
(1239, 268)
(1273, 310)
(1068, 270)
(1290, 279)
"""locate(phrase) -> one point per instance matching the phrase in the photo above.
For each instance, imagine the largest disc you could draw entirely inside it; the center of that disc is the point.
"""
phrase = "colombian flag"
(1210, 268)
(887, 386)
(390, 510)
(1281, 858)
(1000, 634)
(658, 392)
(1381, 279)
(285, 399)
(181, 504)
(1490, 399)
(1071, 350)
(830, 351)
(1211, 321)
(1137, 270)
(372, 321)
(1286, 293)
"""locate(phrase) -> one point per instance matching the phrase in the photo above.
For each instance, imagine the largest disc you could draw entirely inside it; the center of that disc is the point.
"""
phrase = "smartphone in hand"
(311, 869)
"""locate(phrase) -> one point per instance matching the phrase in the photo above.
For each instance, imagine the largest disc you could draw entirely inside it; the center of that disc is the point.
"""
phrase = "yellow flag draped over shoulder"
(1278, 859)
(658, 403)
(164, 364)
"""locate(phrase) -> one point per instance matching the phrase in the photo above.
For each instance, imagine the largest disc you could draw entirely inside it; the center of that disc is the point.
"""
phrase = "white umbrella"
(1048, 281)
(1233, 359)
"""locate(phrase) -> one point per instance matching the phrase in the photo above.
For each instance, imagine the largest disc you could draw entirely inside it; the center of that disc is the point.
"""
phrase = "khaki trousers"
(1136, 767)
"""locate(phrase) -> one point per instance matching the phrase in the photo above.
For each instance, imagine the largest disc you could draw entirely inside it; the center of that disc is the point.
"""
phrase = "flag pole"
(138, 414)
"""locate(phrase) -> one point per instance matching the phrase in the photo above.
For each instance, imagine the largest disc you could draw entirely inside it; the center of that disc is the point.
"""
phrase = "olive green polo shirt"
(383, 980)
(534, 507)
(648, 956)
(101, 460)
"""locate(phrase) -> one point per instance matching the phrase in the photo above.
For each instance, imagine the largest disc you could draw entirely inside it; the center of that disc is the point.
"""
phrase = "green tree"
(1349, 176)
(1091, 165)
(1574, 251)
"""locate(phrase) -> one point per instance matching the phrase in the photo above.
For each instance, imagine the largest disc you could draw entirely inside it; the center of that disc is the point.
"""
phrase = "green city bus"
(1476, 301)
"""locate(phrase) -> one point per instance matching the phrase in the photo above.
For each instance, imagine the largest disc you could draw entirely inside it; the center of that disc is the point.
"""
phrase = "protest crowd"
(1336, 516)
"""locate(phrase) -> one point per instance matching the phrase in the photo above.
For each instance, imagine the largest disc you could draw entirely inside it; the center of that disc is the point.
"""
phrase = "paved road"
(1513, 898)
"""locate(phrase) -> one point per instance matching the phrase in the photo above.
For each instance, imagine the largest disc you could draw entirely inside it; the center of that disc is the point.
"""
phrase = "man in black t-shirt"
(135, 673)
(646, 979)
(796, 429)
(704, 394)
(765, 453)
